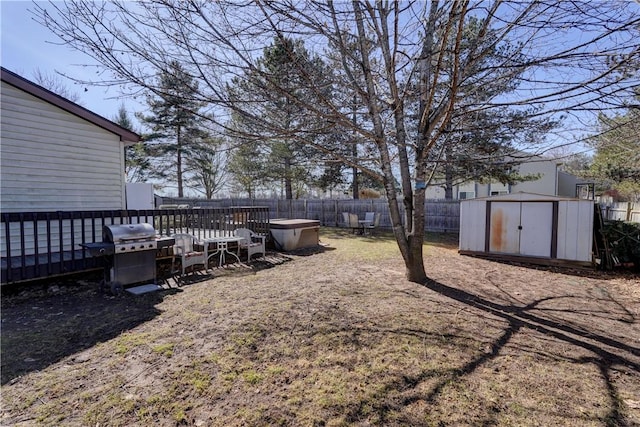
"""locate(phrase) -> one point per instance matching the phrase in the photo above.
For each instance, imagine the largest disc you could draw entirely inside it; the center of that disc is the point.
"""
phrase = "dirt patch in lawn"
(328, 338)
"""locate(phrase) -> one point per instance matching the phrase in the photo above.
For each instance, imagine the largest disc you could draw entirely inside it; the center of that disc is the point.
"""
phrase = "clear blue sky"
(27, 46)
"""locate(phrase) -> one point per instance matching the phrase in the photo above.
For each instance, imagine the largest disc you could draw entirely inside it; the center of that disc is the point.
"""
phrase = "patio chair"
(372, 221)
(252, 242)
(184, 249)
(351, 221)
(369, 216)
(345, 218)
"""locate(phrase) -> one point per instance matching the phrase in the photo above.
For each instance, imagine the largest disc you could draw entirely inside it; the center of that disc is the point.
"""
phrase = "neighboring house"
(552, 182)
(56, 155)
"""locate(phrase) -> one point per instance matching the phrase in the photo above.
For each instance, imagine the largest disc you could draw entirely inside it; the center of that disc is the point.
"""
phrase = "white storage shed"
(542, 229)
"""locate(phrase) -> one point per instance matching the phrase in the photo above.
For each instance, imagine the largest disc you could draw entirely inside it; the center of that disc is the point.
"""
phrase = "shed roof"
(46, 95)
(523, 197)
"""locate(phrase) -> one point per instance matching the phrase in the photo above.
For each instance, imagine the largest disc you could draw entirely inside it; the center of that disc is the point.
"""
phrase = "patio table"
(222, 248)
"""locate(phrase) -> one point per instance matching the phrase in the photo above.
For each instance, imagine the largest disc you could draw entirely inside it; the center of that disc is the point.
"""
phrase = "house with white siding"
(551, 181)
(56, 155)
(61, 176)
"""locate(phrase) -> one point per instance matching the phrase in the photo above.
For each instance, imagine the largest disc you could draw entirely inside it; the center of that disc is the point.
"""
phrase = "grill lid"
(122, 232)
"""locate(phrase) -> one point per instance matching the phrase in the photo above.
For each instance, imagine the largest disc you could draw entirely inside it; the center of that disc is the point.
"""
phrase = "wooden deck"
(29, 267)
(37, 245)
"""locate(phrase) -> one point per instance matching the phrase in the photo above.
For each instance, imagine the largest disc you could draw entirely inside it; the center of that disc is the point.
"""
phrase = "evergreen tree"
(288, 152)
(616, 163)
(480, 144)
(354, 150)
(122, 118)
(247, 165)
(175, 122)
(137, 163)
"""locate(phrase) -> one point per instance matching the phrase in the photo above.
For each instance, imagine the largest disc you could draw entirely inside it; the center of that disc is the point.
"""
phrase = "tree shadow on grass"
(586, 271)
(608, 354)
(40, 330)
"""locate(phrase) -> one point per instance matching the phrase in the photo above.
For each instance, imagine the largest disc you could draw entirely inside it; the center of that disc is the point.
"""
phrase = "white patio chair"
(354, 223)
(351, 221)
(371, 223)
(369, 217)
(184, 249)
(252, 242)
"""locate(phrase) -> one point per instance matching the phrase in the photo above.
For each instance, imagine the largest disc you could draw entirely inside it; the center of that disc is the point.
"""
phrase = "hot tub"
(292, 234)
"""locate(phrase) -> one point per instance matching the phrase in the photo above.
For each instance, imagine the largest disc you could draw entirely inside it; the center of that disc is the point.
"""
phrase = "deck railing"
(36, 245)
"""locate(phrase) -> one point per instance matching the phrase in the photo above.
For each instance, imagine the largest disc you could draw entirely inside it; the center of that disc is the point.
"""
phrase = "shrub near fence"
(440, 215)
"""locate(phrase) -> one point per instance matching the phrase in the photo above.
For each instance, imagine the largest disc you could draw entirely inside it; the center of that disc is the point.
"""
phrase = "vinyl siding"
(546, 184)
(52, 160)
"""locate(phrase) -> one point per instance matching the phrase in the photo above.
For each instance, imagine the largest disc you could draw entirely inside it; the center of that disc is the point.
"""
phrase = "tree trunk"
(409, 235)
(354, 186)
(410, 243)
(354, 153)
(448, 182)
(413, 259)
(179, 162)
(414, 262)
(288, 187)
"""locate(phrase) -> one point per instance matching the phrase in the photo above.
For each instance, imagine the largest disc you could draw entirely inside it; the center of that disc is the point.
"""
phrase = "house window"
(466, 195)
(499, 193)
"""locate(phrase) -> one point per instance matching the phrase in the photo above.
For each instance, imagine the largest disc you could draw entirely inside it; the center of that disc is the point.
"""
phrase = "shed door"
(504, 236)
(522, 228)
(536, 220)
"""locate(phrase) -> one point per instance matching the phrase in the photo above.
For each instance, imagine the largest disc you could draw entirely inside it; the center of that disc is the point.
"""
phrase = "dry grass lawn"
(332, 338)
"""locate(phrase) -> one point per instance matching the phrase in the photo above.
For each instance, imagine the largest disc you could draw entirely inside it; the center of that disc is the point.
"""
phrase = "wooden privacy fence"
(440, 215)
(42, 244)
(623, 211)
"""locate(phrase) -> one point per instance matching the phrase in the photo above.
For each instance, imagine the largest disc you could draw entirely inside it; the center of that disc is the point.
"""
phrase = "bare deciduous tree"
(206, 168)
(406, 62)
(55, 84)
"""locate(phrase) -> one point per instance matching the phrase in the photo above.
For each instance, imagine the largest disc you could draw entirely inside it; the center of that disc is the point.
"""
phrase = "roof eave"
(126, 136)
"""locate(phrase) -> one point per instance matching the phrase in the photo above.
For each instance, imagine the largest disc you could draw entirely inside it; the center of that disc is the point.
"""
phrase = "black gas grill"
(129, 251)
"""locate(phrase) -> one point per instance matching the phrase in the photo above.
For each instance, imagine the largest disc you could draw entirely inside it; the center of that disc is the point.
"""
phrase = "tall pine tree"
(137, 164)
(288, 153)
(176, 129)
